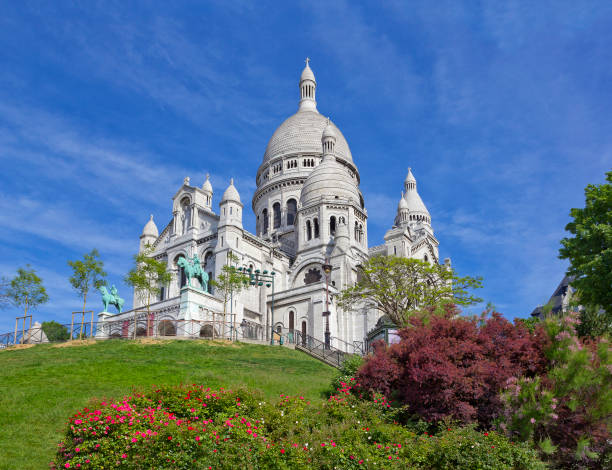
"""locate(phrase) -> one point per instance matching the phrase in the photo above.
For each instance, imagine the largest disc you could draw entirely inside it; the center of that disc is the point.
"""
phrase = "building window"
(332, 225)
(264, 216)
(291, 211)
(316, 228)
(277, 214)
(291, 321)
(308, 230)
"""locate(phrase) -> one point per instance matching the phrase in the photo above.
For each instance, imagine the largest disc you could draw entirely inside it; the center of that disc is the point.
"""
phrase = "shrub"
(198, 428)
(454, 367)
(568, 410)
(55, 331)
(347, 372)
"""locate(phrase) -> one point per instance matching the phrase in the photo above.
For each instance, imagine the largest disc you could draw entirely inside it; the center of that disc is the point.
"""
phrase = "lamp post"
(259, 278)
(327, 270)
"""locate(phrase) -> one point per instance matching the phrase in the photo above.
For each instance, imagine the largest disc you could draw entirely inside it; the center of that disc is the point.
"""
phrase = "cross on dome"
(307, 60)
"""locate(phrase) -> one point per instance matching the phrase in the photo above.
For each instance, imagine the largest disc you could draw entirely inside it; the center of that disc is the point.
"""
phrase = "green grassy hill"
(41, 386)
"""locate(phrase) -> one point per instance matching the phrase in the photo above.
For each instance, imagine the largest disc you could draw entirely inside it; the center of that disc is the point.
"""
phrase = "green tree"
(589, 250)
(55, 331)
(229, 283)
(26, 289)
(87, 273)
(147, 277)
(399, 287)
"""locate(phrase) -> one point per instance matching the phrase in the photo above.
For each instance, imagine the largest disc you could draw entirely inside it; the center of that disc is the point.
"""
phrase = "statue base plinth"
(102, 329)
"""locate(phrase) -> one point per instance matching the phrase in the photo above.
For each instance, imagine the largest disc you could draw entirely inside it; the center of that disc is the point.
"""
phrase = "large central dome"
(301, 133)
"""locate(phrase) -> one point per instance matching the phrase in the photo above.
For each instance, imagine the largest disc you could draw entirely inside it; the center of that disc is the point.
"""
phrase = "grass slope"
(40, 387)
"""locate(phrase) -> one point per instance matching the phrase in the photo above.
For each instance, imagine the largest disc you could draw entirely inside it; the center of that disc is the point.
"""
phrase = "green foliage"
(198, 428)
(26, 289)
(589, 251)
(87, 273)
(347, 372)
(400, 287)
(42, 385)
(55, 331)
(594, 322)
(571, 405)
(148, 275)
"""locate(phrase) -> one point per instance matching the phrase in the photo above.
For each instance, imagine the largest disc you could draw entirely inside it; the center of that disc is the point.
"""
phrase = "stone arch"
(265, 221)
(166, 328)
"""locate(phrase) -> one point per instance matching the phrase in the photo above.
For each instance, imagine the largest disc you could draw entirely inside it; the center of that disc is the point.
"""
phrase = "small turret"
(328, 140)
(208, 192)
(417, 210)
(149, 233)
(231, 207)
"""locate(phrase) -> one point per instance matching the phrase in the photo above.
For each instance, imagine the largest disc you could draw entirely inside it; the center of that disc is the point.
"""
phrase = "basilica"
(310, 213)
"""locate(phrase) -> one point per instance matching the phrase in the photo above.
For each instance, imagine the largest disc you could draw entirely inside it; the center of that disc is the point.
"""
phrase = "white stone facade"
(309, 209)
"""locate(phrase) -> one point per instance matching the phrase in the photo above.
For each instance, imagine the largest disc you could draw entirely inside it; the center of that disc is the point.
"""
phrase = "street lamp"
(327, 270)
(259, 278)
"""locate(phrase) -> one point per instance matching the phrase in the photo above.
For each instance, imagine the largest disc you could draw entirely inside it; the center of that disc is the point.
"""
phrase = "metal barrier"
(317, 348)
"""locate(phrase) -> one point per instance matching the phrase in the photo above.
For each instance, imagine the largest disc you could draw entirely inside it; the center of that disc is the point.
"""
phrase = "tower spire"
(308, 86)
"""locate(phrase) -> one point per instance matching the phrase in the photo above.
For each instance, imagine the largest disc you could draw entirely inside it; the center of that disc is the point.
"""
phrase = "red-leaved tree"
(454, 367)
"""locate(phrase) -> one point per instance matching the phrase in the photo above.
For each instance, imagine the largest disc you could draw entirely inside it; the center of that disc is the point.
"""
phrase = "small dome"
(150, 229)
(415, 203)
(207, 186)
(330, 179)
(231, 194)
(413, 200)
(307, 73)
(329, 131)
(402, 203)
(410, 177)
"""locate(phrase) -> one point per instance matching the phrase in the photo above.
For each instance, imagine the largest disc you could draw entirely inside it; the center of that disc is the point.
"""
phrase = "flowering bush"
(454, 367)
(568, 410)
(198, 428)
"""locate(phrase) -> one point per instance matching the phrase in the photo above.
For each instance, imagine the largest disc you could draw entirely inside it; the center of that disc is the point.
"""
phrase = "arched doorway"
(304, 333)
(166, 328)
(206, 331)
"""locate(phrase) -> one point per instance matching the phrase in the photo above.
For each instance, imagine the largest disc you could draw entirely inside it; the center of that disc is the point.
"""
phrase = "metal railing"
(318, 349)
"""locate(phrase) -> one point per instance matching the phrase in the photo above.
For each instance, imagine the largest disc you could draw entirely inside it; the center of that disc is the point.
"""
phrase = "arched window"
(426, 259)
(264, 216)
(291, 211)
(277, 214)
(360, 233)
(356, 231)
(316, 228)
(303, 332)
(308, 230)
(185, 215)
(332, 225)
(291, 321)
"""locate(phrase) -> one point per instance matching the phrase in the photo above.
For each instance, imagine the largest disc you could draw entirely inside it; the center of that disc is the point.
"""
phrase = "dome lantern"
(308, 86)
(328, 139)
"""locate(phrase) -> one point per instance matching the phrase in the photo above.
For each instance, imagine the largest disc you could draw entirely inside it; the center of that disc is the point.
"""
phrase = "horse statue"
(193, 269)
(111, 298)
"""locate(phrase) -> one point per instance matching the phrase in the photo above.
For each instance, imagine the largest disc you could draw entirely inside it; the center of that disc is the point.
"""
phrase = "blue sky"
(502, 109)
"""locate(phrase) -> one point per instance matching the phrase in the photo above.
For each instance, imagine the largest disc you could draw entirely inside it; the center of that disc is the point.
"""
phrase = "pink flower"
(67, 465)
(532, 420)
(124, 456)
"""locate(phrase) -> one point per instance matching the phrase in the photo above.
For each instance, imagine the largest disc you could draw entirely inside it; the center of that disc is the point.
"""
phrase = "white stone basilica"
(309, 209)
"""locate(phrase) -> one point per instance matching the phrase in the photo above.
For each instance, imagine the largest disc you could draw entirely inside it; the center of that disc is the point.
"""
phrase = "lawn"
(41, 386)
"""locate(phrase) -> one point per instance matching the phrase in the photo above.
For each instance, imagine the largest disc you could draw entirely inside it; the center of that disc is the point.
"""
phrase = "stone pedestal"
(102, 329)
(198, 306)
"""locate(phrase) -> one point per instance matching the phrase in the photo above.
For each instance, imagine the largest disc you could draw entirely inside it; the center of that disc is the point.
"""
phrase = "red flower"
(282, 451)
(169, 438)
